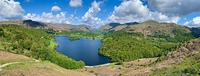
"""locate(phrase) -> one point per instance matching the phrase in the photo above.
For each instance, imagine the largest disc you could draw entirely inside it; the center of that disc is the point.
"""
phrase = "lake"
(83, 49)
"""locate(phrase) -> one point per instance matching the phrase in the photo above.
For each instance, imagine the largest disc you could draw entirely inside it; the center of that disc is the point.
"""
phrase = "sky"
(96, 13)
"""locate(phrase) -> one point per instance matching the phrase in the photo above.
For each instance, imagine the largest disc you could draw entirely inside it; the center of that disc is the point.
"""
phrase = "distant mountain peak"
(150, 21)
(34, 23)
(131, 23)
(116, 26)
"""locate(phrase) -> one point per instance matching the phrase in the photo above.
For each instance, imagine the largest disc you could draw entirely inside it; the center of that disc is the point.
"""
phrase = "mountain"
(55, 27)
(196, 31)
(69, 27)
(29, 23)
(108, 26)
(115, 26)
(34, 23)
(151, 27)
(144, 40)
(131, 23)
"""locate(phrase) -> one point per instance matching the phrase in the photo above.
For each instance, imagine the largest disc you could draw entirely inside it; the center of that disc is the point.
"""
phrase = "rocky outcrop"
(174, 57)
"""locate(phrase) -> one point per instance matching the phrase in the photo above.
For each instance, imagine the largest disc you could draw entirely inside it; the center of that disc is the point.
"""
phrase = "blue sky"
(96, 13)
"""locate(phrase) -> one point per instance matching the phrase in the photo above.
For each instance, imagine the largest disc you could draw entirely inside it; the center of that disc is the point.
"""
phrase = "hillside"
(152, 27)
(29, 23)
(68, 27)
(185, 55)
(181, 61)
(55, 27)
(196, 31)
(19, 65)
(139, 49)
(34, 43)
(148, 39)
(115, 26)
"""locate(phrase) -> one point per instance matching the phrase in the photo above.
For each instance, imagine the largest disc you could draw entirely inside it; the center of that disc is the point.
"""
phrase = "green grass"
(26, 64)
(42, 68)
(17, 60)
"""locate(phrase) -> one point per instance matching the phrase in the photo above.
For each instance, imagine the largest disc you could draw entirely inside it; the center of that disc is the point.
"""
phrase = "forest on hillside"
(35, 43)
(123, 46)
(119, 46)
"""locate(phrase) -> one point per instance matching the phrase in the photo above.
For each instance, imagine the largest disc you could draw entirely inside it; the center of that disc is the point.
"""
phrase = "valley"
(148, 48)
(99, 38)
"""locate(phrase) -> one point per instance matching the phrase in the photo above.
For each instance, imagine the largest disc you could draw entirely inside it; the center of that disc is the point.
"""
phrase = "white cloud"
(174, 7)
(50, 18)
(55, 9)
(90, 16)
(135, 11)
(9, 9)
(75, 3)
(195, 22)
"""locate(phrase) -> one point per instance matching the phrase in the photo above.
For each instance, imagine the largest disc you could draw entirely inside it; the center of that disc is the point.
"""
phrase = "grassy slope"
(29, 67)
(190, 66)
(6, 57)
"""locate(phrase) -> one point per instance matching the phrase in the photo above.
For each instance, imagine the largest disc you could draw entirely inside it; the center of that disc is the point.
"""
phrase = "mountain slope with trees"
(34, 43)
(145, 40)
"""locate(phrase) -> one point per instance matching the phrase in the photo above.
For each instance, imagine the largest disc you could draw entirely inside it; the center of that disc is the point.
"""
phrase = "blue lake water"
(83, 49)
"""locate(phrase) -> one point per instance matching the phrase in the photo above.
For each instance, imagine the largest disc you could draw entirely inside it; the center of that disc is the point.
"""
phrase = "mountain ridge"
(116, 26)
(55, 27)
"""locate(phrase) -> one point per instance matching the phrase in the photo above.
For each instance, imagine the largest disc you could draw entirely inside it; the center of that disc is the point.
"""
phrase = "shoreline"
(98, 65)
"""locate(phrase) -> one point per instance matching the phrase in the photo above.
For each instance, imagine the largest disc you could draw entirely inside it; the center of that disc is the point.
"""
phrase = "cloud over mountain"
(90, 12)
(195, 22)
(135, 11)
(50, 17)
(90, 18)
(174, 7)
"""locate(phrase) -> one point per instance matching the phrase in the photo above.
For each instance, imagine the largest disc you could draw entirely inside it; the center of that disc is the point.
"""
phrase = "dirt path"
(6, 64)
(10, 63)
